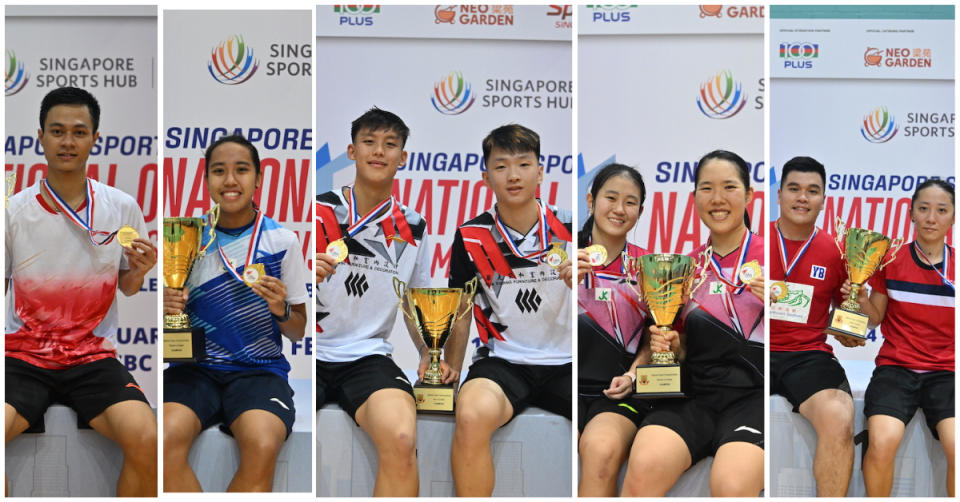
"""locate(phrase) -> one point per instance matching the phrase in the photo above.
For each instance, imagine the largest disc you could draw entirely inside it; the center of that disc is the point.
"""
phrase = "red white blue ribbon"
(541, 233)
(84, 223)
(946, 258)
(783, 251)
(736, 283)
(251, 249)
(356, 222)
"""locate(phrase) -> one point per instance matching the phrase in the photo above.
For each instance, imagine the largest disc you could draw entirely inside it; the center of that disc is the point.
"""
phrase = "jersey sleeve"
(462, 268)
(294, 273)
(420, 277)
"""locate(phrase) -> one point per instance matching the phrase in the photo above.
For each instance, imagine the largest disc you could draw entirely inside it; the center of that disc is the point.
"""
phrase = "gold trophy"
(666, 281)
(434, 312)
(863, 251)
(182, 238)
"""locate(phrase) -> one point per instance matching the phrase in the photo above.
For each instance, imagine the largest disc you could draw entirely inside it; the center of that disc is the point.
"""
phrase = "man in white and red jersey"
(64, 265)
(522, 306)
(806, 273)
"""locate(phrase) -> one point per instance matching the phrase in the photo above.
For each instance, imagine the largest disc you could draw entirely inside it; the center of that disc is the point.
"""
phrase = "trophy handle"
(213, 216)
(634, 273)
(400, 288)
(838, 239)
(11, 184)
(894, 248)
(469, 289)
(701, 263)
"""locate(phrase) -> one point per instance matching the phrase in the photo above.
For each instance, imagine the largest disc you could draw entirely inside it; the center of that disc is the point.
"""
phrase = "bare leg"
(482, 408)
(945, 429)
(604, 446)
(133, 426)
(657, 460)
(885, 432)
(737, 470)
(16, 424)
(180, 429)
(389, 416)
(260, 435)
(830, 411)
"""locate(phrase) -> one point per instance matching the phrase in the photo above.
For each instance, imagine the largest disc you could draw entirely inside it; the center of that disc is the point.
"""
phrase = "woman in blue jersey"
(721, 348)
(611, 323)
(246, 292)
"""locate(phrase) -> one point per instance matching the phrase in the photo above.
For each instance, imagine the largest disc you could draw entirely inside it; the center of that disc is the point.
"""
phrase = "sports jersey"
(724, 343)
(357, 306)
(522, 306)
(241, 333)
(918, 326)
(611, 319)
(62, 308)
(814, 282)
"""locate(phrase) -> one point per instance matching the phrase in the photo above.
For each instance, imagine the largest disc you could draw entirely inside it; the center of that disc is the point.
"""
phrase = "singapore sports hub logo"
(879, 126)
(721, 97)
(15, 75)
(452, 95)
(232, 62)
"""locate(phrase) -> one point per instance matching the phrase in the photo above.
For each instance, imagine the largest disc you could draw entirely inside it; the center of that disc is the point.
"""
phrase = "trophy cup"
(182, 238)
(665, 281)
(434, 312)
(863, 252)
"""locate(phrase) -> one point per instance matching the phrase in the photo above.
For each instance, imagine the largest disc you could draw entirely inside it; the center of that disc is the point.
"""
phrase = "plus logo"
(528, 300)
(356, 284)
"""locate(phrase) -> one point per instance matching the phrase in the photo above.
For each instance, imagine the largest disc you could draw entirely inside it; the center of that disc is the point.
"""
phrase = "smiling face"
(232, 178)
(721, 196)
(513, 177)
(378, 154)
(67, 137)
(801, 198)
(616, 208)
(933, 213)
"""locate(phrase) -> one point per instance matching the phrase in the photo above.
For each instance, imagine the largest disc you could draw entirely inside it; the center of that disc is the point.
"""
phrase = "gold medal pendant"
(779, 290)
(126, 235)
(749, 271)
(338, 250)
(556, 255)
(597, 255)
(253, 273)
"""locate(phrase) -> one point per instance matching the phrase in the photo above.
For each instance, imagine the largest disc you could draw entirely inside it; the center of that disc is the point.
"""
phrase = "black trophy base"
(848, 323)
(184, 345)
(434, 399)
(659, 381)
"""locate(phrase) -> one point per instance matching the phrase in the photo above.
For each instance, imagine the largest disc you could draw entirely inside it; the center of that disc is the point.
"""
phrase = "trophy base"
(658, 381)
(845, 322)
(438, 399)
(184, 345)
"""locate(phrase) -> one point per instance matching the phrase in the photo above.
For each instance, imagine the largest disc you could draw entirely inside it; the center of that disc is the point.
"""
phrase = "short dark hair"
(607, 172)
(804, 165)
(70, 96)
(933, 182)
(376, 119)
(743, 171)
(233, 138)
(513, 138)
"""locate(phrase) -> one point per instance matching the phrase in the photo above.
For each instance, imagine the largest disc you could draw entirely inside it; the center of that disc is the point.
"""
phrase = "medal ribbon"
(251, 248)
(86, 224)
(356, 222)
(783, 251)
(736, 283)
(541, 232)
(946, 258)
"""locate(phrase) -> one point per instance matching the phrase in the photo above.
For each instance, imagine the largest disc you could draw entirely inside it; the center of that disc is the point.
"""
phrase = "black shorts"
(350, 384)
(543, 386)
(898, 392)
(799, 375)
(87, 388)
(219, 397)
(634, 409)
(705, 429)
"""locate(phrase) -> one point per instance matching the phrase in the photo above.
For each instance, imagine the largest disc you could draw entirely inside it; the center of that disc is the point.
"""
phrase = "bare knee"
(601, 457)
(398, 446)
(474, 424)
(645, 472)
(883, 447)
(731, 485)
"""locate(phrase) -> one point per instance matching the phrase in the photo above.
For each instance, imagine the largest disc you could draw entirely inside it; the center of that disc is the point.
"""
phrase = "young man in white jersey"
(517, 252)
(64, 265)
(366, 238)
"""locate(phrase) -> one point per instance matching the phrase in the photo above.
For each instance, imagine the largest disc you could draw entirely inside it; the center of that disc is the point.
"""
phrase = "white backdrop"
(518, 73)
(111, 52)
(819, 105)
(267, 103)
(641, 72)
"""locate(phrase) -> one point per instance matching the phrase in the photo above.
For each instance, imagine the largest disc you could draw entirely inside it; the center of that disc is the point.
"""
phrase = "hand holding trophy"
(182, 239)
(434, 312)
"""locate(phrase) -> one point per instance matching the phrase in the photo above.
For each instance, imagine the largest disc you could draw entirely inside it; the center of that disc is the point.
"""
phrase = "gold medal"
(779, 290)
(556, 255)
(253, 273)
(338, 250)
(597, 255)
(126, 235)
(749, 271)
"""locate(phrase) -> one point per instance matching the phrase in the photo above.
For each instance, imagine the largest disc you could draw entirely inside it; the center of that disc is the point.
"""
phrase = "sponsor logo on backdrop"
(898, 57)
(481, 15)
(879, 126)
(15, 75)
(452, 95)
(721, 97)
(799, 55)
(356, 15)
(611, 13)
(563, 12)
(232, 62)
(731, 11)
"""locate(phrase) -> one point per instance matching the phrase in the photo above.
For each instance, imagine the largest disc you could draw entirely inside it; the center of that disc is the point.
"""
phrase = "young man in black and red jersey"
(522, 306)
(806, 267)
